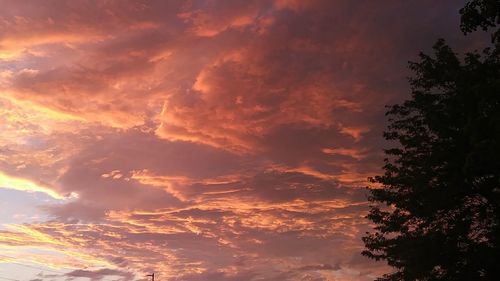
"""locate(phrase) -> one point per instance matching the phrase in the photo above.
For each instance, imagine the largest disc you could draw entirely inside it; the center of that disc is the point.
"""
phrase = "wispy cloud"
(202, 140)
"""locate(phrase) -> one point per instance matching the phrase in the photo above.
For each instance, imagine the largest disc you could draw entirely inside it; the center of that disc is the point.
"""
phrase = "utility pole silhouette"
(152, 276)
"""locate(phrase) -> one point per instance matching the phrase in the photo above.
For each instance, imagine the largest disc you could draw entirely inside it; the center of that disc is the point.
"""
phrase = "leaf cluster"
(484, 14)
(437, 213)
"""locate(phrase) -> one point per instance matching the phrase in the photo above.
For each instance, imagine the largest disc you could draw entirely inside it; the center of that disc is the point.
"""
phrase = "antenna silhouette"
(152, 276)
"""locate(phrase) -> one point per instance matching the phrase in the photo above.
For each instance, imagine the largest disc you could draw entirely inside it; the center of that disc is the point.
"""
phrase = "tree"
(481, 13)
(436, 208)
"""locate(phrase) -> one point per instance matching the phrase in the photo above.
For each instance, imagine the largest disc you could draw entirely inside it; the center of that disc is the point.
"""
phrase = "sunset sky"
(201, 140)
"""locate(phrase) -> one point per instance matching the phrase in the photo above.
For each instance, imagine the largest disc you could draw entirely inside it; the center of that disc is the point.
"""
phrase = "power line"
(5, 278)
(33, 267)
(30, 266)
(36, 267)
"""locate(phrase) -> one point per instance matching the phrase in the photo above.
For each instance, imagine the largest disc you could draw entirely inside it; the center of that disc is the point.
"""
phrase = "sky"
(200, 140)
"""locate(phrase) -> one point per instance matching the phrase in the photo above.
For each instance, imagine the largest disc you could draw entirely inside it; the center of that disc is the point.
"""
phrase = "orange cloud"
(21, 184)
(206, 140)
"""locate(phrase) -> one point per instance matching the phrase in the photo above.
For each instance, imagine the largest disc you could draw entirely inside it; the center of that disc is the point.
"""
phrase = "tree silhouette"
(436, 209)
(481, 13)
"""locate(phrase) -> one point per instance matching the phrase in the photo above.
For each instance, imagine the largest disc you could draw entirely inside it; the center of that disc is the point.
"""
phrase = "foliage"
(437, 212)
(481, 13)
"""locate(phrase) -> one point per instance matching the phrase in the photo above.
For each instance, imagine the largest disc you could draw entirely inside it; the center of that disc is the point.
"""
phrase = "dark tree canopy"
(481, 13)
(437, 208)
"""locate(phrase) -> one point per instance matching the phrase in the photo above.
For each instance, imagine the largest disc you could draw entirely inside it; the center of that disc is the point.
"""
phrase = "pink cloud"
(205, 140)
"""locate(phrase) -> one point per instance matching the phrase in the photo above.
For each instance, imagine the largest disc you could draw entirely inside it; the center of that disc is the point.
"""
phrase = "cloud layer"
(202, 140)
